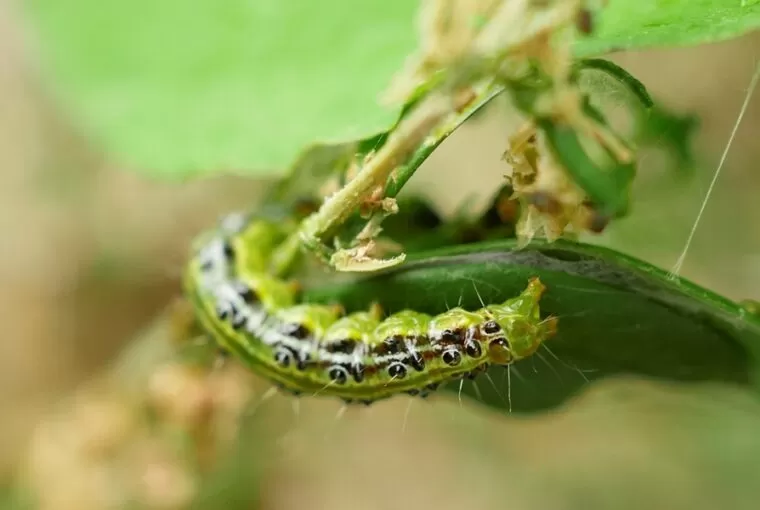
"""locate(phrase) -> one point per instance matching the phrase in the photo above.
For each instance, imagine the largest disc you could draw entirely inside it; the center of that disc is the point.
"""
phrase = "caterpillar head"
(515, 328)
(519, 338)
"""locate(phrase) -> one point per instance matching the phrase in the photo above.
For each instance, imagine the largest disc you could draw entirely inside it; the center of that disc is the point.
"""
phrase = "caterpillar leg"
(376, 311)
(549, 326)
(364, 402)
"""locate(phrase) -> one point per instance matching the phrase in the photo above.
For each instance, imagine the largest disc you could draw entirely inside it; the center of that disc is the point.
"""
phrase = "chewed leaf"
(352, 262)
(630, 83)
(477, 99)
(607, 186)
(648, 123)
(617, 315)
(180, 88)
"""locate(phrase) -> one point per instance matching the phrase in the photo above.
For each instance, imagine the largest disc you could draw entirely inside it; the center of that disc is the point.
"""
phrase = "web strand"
(681, 258)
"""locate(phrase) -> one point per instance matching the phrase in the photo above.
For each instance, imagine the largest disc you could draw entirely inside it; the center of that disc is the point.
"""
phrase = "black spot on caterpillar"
(360, 357)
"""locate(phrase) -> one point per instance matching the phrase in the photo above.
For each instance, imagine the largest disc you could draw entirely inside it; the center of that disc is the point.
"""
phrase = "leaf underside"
(645, 24)
(177, 89)
(618, 316)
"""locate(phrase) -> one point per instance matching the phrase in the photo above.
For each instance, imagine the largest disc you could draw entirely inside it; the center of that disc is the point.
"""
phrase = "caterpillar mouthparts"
(316, 349)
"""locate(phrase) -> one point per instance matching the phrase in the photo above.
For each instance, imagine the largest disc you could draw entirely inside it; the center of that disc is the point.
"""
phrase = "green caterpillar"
(359, 357)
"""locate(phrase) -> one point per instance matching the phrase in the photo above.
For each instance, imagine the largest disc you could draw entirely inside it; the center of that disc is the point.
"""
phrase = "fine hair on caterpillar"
(317, 349)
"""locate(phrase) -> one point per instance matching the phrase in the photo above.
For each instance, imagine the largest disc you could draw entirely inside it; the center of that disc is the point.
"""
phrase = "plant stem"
(483, 96)
(514, 25)
(410, 133)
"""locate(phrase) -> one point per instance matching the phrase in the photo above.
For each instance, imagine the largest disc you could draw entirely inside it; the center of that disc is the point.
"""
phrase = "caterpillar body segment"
(316, 349)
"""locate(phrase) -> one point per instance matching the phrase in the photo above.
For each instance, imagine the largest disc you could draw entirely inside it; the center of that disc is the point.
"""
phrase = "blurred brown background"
(90, 253)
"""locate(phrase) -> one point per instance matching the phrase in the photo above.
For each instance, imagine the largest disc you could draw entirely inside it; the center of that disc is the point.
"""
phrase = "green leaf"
(642, 24)
(623, 77)
(186, 88)
(674, 132)
(607, 186)
(178, 88)
(646, 123)
(617, 315)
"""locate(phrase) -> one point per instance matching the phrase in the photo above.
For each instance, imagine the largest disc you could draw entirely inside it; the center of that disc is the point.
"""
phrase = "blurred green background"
(90, 253)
